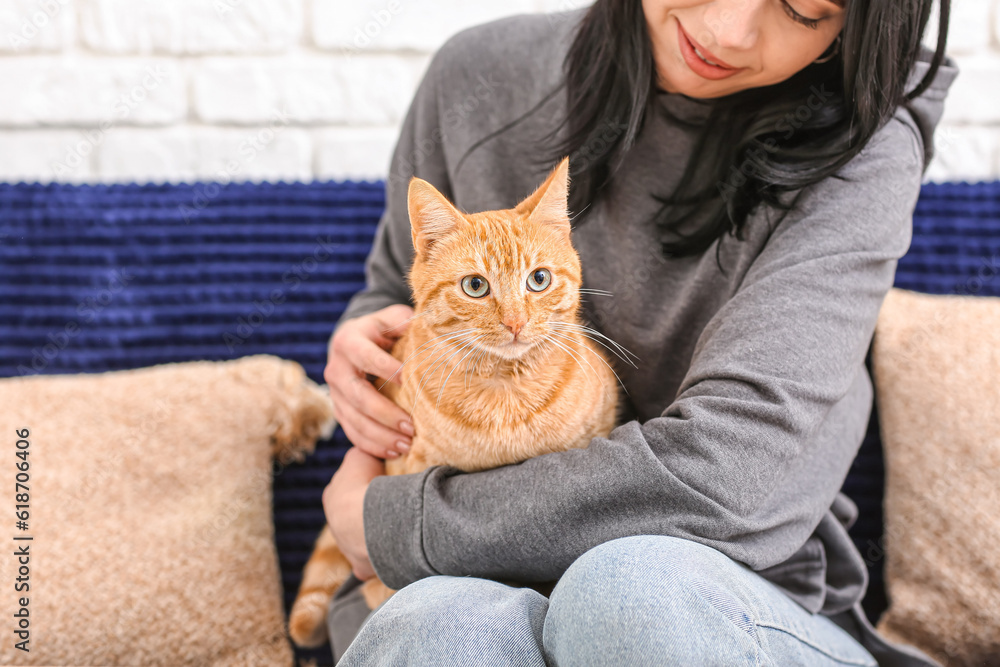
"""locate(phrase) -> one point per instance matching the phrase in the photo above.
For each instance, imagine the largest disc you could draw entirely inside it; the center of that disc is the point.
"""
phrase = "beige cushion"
(150, 509)
(936, 362)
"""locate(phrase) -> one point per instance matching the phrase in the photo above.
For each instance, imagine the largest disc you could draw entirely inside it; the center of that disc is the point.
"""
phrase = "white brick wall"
(181, 90)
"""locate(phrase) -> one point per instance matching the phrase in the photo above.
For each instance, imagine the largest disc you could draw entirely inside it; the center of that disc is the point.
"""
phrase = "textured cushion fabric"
(174, 272)
(936, 362)
(150, 511)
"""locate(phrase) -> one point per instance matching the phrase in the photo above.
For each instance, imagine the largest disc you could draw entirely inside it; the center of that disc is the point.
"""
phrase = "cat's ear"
(549, 204)
(432, 216)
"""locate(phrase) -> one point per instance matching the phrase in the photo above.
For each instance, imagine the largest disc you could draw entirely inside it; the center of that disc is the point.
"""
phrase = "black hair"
(744, 156)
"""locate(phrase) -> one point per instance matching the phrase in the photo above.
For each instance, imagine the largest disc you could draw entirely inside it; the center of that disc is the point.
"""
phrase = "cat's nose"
(514, 325)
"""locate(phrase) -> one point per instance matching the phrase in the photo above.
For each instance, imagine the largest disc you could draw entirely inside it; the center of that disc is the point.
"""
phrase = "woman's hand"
(359, 348)
(343, 504)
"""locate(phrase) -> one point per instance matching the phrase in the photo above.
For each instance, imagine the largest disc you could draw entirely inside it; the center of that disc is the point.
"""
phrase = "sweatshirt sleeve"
(419, 151)
(749, 456)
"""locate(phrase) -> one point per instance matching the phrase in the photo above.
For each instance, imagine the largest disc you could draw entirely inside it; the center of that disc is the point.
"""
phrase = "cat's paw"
(307, 620)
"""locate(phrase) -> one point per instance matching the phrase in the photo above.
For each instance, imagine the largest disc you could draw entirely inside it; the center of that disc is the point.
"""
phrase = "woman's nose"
(732, 24)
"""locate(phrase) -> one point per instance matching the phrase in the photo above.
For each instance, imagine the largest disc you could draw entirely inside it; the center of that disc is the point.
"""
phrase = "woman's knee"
(454, 619)
(451, 602)
(639, 599)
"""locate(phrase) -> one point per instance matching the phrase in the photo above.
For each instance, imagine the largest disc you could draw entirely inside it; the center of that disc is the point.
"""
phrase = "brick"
(35, 26)
(363, 26)
(355, 153)
(190, 153)
(44, 90)
(43, 156)
(366, 90)
(181, 27)
(237, 90)
(972, 98)
(965, 153)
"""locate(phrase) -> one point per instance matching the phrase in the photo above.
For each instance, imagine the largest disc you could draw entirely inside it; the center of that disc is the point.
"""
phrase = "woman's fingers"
(390, 323)
(363, 396)
(363, 466)
(373, 422)
(364, 432)
(356, 346)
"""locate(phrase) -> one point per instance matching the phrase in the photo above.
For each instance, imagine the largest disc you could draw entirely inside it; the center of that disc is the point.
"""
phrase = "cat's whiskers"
(449, 335)
(548, 337)
(587, 330)
(599, 342)
(476, 360)
(603, 360)
(597, 292)
(485, 357)
(433, 357)
(579, 213)
(581, 327)
(462, 343)
(474, 349)
(396, 326)
(443, 365)
(437, 341)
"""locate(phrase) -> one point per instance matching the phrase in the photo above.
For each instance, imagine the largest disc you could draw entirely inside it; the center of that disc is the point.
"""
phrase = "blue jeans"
(643, 600)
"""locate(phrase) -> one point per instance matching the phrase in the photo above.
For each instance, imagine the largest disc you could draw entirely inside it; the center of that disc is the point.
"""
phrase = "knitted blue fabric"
(98, 278)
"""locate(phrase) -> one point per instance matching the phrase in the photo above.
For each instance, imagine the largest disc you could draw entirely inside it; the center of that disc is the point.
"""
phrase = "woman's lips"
(699, 66)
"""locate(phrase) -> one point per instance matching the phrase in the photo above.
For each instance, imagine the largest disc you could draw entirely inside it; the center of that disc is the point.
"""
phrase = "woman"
(743, 178)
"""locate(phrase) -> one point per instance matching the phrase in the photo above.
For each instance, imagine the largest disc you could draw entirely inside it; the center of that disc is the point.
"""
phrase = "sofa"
(164, 273)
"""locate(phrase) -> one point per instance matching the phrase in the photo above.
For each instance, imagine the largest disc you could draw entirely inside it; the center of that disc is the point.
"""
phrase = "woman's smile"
(701, 61)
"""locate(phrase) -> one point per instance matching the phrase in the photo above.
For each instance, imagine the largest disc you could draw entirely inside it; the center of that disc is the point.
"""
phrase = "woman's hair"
(757, 144)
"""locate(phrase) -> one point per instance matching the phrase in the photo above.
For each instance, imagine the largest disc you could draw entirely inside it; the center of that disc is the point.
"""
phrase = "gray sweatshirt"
(751, 397)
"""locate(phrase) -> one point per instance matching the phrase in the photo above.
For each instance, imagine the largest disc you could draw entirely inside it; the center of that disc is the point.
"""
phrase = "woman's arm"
(749, 456)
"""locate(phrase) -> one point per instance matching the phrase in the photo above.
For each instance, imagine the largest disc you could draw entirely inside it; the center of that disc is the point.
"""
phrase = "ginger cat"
(497, 367)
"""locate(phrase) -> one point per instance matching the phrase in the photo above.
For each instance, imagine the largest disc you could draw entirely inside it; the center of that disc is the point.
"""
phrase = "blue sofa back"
(99, 278)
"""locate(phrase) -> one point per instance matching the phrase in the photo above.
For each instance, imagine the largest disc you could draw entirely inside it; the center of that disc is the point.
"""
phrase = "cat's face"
(495, 280)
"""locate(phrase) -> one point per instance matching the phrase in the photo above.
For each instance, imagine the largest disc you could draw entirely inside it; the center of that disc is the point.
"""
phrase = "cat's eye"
(475, 286)
(539, 280)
